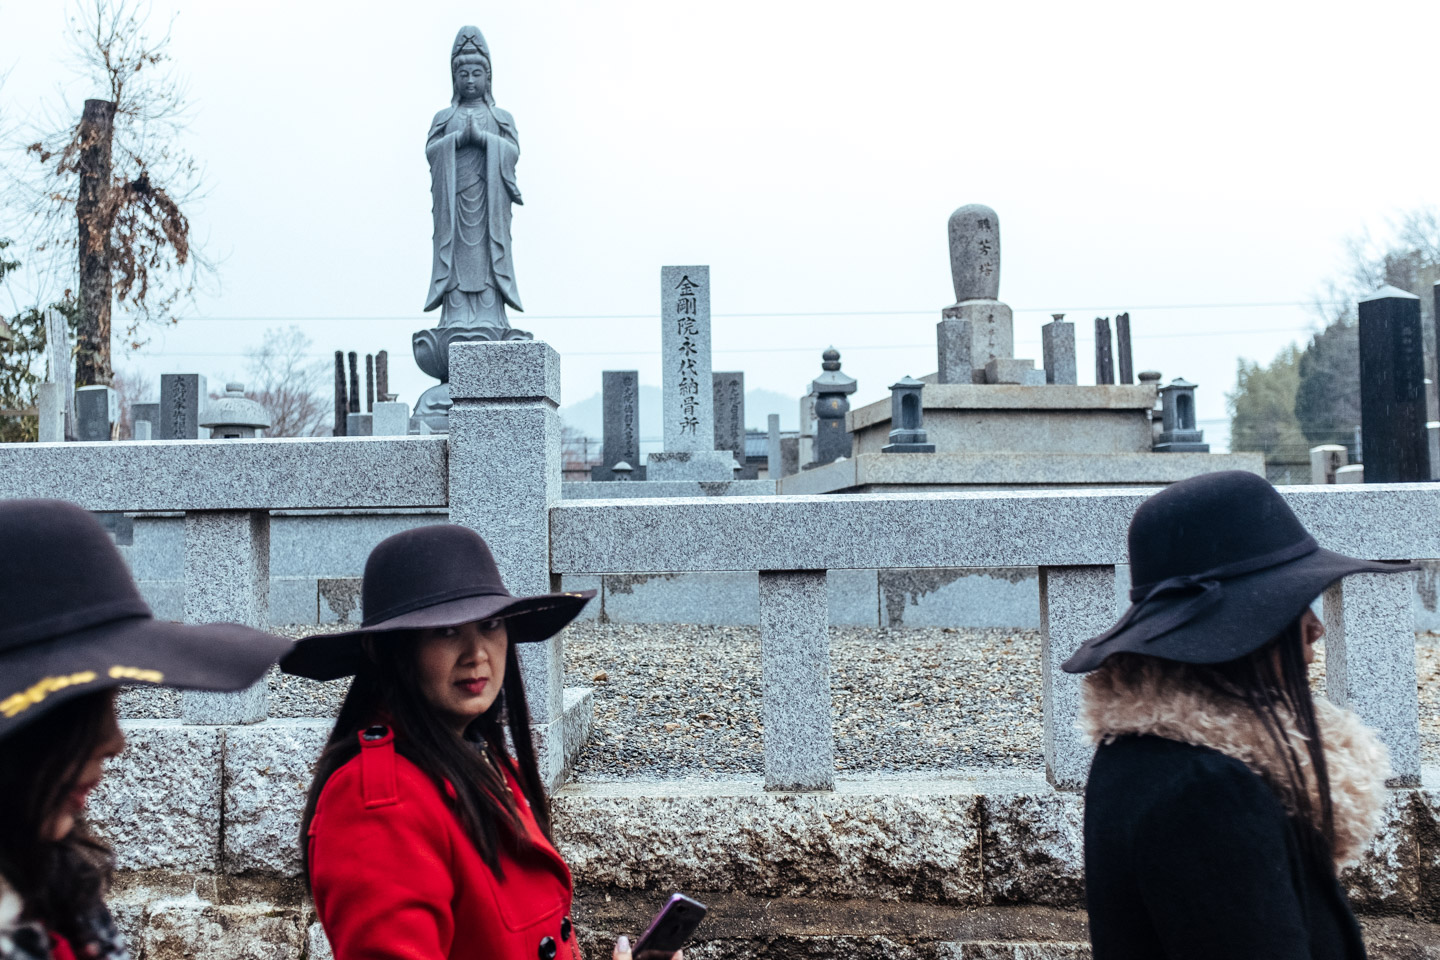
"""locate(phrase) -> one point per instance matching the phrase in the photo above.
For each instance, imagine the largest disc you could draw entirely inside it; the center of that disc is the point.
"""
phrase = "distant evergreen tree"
(1262, 416)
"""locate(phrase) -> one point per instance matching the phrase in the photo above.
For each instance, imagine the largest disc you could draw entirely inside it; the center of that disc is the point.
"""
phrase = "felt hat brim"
(330, 656)
(1252, 610)
(39, 676)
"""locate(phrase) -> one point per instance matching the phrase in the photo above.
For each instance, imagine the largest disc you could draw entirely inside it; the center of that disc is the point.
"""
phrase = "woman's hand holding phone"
(622, 951)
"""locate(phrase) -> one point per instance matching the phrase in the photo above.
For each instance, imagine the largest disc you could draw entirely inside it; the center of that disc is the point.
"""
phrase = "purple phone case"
(676, 936)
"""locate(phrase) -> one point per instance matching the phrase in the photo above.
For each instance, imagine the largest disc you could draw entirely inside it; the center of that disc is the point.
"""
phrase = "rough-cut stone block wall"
(205, 824)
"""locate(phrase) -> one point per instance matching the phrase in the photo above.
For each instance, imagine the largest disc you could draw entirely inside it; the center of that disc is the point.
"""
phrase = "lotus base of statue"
(432, 355)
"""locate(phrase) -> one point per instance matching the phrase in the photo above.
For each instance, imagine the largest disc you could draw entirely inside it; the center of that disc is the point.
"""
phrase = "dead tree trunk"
(94, 215)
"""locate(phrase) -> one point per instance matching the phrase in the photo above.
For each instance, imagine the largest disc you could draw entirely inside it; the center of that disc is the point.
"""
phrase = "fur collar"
(1146, 695)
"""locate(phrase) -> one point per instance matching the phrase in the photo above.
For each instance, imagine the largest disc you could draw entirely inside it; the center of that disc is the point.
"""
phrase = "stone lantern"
(1178, 430)
(907, 419)
(622, 470)
(831, 391)
(235, 416)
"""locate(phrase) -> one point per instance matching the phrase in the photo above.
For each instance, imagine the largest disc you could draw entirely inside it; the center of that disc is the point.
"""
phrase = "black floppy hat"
(72, 621)
(440, 575)
(1221, 565)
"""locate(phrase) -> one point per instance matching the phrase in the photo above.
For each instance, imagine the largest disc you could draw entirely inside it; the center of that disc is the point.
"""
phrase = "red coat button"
(547, 949)
(565, 927)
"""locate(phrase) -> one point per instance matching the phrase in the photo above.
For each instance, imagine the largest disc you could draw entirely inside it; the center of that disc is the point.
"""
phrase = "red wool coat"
(395, 877)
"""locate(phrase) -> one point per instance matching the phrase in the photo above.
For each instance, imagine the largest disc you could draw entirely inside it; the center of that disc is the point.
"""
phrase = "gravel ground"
(684, 701)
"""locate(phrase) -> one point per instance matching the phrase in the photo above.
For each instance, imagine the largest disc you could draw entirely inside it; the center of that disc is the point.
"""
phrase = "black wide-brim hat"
(1221, 565)
(439, 575)
(72, 621)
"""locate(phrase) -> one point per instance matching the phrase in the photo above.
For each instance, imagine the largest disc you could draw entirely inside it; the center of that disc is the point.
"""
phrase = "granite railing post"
(1370, 662)
(227, 579)
(795, 662)
(504, 452)
(1076, 603)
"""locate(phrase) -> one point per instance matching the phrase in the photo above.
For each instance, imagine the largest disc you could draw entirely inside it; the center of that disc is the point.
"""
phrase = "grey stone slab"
(647, 490)
(1008, 370)
(146, 413)
(182, 399)
(963, 597)
(96, 409)
(707, 598)
(504, 473)
(257, 474)
(50, 406)
(157, 548)
(293, 600)
(620, 402)
(854, 598)
(699, 465)
(1370, 662)
(391, 418)
(268, 769)
(954, 341)
(227, 580)
(1076, 603)
(795, 655)
(880, 473)
(688, 403)
(739, 837)
(992, 327)
(338, 600)
(1057, 345)
(158, 805)
(336, 545)
(142, 430)
(578, 722)
(359, 425)
(1104, 357)
(1032, 378)
(166, 598)
(789, 457)
(1325, 460)
(956, 396)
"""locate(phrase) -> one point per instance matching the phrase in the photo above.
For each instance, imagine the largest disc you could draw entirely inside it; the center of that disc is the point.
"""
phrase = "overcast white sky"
(1185, 163)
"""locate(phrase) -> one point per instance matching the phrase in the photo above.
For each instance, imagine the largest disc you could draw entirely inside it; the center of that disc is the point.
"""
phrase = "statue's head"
(470, 67)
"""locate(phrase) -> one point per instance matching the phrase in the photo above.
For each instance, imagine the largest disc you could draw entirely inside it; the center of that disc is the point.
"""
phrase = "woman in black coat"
(1223, 795)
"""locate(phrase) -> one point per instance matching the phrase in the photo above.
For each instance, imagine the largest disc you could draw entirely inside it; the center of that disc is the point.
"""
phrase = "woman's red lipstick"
(473, 687)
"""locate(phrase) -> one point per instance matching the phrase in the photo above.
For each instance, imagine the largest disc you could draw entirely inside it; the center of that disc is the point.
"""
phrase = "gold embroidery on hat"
(25, 699)
(137, 673)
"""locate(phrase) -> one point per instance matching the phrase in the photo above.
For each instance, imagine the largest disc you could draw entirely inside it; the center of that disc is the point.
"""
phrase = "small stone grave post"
(1104, 359)
(620, 400)
(1122, 348)
(729, 397)
(954, 341)
(1057, 345)
(772, 447)
(1325, 460)
(1392, 388)
(342, 394)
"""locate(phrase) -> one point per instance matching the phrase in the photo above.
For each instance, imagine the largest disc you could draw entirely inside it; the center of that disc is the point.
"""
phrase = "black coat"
(1188, 854)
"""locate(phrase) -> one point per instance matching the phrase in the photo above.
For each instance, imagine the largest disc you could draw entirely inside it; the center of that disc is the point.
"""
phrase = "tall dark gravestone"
(1123, 357)
(1104, 359)
(1392, 388)
(729, 392)
(620, 398)
(181, 397)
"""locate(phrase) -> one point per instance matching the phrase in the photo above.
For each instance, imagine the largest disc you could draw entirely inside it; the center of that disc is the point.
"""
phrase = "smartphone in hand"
(671, 928)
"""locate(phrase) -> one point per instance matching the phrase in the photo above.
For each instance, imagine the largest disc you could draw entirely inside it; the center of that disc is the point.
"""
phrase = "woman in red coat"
(423, 838)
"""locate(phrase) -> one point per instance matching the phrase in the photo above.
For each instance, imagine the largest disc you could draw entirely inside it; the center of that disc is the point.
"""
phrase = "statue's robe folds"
(472, 219)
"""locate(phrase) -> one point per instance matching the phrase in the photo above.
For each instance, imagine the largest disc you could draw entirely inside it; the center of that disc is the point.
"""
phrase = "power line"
(795, 313)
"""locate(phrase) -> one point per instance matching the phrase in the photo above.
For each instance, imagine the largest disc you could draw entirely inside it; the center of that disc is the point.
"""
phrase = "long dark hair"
(388, 690)
(1274, 683)
(60, 881)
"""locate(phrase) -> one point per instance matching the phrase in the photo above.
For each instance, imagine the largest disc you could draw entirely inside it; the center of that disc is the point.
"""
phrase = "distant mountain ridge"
(587, 416)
